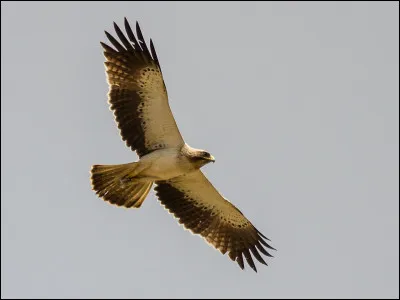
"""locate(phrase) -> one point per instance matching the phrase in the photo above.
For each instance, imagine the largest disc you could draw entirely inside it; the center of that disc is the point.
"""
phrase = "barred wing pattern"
(137, 93)
(194, 201)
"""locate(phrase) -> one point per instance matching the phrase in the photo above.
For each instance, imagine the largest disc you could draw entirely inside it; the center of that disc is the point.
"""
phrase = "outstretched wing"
(193, 200)
(137, 94)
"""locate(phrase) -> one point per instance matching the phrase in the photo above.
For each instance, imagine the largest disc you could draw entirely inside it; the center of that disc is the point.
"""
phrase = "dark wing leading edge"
(137, 94)
(194, 201)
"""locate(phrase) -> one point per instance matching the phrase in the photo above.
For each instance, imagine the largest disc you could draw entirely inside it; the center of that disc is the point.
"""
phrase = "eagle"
(138, 98)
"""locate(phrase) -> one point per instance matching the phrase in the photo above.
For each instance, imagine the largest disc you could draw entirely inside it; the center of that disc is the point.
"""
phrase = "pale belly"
(163, 164)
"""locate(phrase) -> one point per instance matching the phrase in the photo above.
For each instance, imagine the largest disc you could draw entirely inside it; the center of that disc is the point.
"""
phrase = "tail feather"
(141, 192)
(117, 185)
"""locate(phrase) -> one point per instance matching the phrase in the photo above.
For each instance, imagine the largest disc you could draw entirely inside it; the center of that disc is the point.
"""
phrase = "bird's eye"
(206, 154)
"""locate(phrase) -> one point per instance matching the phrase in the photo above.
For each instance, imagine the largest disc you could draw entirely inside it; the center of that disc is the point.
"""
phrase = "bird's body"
(138, 98)
(165, 164)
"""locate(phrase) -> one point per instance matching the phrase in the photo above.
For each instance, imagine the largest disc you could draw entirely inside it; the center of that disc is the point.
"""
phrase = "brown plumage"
(197, 205)
(134, 75)
(138, 98)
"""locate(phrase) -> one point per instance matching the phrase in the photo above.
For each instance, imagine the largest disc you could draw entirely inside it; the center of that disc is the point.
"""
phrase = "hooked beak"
(212, 159)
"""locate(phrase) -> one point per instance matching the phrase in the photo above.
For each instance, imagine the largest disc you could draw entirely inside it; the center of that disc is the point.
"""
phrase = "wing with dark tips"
(137, 93)
(194, 201)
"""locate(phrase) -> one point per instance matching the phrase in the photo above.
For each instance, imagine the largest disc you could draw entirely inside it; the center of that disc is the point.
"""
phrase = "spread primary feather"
(138, 98)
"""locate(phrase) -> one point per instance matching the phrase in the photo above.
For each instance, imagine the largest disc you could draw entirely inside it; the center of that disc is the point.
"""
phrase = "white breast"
(164, 164)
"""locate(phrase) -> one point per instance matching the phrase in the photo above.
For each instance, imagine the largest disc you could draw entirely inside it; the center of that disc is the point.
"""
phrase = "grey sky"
(298, 102)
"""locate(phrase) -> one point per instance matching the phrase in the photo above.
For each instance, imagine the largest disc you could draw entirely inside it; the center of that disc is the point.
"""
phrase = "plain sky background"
(298, 102)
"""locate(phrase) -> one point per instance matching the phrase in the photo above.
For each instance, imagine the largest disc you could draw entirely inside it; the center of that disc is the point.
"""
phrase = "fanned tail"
(117, 185)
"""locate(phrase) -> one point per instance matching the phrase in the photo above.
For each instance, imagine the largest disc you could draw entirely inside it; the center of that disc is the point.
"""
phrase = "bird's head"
(207, 156)
(201, 158)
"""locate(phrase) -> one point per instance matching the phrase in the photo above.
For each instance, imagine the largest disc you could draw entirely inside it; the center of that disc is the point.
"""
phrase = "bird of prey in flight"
(138, 98)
